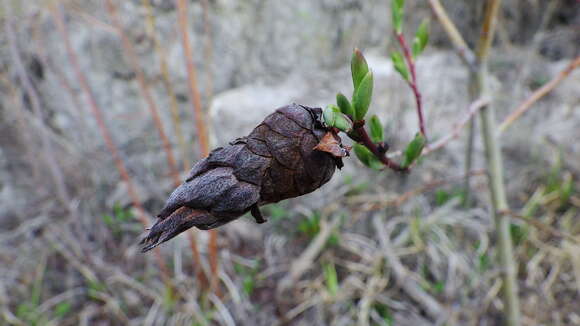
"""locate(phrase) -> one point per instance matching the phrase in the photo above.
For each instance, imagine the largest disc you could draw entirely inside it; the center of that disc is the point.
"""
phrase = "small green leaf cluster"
(333, 117)
(398, 12)
(343, 114)
(421, 38)
(413, 150)
(362, 79)
(249, 276)
(419, 42)
(367, 157)
(119, 217)
(310, 227)
(331, 279)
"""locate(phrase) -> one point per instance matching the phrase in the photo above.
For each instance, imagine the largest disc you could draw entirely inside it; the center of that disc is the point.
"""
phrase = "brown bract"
(288, 155)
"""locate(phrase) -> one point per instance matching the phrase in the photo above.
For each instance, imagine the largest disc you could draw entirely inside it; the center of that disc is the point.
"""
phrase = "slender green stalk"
(479, 88)
(473, 95)
(495, 169)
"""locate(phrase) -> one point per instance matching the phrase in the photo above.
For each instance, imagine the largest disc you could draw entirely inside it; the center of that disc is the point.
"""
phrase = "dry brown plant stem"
(541, 226)
(380, 203)
(182, 12)
(452, 32)
(47, 146)
(57, 14)
(443, 141)
(145, 91)
(538, 94)
(473, 109)
(403, 276)
(468, 58)
(164, 68)
(202, 279)
(207, 49)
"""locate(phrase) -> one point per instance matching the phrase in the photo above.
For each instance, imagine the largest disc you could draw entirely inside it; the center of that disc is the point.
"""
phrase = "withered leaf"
(331, 143)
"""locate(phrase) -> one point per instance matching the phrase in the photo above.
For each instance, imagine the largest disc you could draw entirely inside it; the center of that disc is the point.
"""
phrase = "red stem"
(413, 82)
(365, 140)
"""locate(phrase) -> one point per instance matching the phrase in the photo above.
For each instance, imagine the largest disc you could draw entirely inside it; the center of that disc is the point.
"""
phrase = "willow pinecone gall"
(288, 155)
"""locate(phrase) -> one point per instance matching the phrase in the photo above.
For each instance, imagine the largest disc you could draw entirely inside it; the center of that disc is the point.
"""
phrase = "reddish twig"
(363, 138)
(164, 68)
(207, 49)
(105, 133)
(192, 77)
(144, 87)
(413, 82)
(199, 121)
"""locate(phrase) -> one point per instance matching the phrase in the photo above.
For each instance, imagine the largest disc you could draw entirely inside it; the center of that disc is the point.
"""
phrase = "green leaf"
(376, 129)
(329, 115)
(518, 233)
(398, 10)
(566, 189)
(331, 279)
(414, 149)
(334, 118)
(400, 65)
(343, 122)
(358, 67)
(367, 157)
(362, 97)
(62, 309)
(344, 105)
(421, 38)
(248, 285)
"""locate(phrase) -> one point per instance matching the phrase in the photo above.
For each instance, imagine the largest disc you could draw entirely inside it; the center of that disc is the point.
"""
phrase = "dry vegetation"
(380, 249)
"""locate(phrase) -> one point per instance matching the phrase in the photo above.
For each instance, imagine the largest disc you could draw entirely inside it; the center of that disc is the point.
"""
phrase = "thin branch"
(541, 226)
(144, 87)
(200, 122)
(364, 139)
(494, 159)
(442, 142)
(90, 19)
(381, 203)
(164, 68)
(463, 50)
(77, 110)
(413, 82)
(305, 261)
(174, 107)
(207, 49)
(468, 58)
(487, 30)
(538, 94)
(47, 146)
(57, 14)
(403, 276)
(473, 109)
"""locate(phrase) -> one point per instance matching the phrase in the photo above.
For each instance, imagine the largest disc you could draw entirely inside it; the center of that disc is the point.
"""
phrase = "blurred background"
(98, 124)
